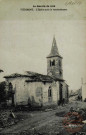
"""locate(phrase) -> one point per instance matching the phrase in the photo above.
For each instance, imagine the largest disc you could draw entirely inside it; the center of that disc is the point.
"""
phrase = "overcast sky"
(24, 46)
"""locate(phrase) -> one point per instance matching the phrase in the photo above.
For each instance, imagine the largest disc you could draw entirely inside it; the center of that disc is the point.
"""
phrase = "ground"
(48, 122)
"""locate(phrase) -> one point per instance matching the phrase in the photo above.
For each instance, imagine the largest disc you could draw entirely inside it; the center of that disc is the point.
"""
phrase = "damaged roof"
(34, 77)
(15, 75)
(39, 78)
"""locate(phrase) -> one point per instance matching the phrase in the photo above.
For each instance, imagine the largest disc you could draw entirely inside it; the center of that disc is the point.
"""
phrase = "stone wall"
(39, 92)
(55, 70)
(36, 93)
(20, 96)
(65, 91)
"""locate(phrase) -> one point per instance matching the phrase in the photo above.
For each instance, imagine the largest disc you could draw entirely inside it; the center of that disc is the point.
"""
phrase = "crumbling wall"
(55, 89)
(34, 93)
(19, 86)
(34, 90)
(38, 93)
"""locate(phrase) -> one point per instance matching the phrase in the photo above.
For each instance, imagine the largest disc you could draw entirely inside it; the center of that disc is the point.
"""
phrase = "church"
(36, 89)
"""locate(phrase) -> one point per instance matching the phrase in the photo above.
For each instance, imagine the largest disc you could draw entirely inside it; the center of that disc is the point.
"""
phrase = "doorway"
(60, 92)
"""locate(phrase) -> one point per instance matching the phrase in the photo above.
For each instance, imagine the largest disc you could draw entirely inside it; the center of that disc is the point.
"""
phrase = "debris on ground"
(44, 122)
(60, 114)
(46, 110)
(7, 118)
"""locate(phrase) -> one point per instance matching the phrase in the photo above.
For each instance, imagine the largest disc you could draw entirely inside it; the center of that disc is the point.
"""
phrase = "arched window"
(10, 86)
(52, 63)
(50, 92)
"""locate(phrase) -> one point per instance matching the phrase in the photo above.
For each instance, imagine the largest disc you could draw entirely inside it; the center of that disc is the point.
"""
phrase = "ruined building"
(36, 89)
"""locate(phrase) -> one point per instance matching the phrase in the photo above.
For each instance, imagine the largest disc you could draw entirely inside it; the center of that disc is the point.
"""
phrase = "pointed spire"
(54, 50)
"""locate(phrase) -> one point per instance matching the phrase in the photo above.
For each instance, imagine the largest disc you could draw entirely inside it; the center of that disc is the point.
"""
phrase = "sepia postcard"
(42, 67)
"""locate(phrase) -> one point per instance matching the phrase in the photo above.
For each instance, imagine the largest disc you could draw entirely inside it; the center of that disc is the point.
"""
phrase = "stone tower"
(54, 62)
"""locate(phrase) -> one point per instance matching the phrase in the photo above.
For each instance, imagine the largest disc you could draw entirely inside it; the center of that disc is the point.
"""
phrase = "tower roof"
(54, 49)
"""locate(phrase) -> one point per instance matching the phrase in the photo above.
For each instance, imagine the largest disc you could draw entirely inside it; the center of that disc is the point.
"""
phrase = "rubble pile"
(7, 118)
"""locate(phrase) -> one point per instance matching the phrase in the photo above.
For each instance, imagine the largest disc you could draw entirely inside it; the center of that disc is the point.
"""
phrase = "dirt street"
(42, 122)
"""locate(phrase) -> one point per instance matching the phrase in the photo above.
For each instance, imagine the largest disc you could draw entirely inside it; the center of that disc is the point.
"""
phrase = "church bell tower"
(54, 62)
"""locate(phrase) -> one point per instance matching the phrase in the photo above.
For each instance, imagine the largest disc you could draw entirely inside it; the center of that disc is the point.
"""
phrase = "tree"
(2, 91)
